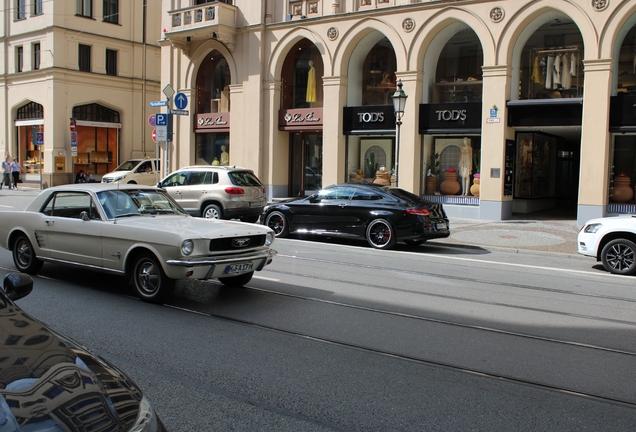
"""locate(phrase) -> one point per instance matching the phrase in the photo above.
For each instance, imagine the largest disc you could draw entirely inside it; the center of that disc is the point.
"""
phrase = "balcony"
(214, 20)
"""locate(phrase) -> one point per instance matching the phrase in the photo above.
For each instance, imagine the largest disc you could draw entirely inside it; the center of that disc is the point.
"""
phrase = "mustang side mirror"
(17, 285)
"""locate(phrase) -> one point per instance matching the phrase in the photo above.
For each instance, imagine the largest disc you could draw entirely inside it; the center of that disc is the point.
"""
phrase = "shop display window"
(623, 170)
(379, 79)
(458, 77)
(96, 150)
(627, 65)
(369, 159)
(213, 84)
(535, 165)
(212, 149)
(302, 77)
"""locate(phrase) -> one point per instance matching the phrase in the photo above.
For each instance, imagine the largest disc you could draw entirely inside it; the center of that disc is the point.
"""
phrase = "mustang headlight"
(187, 247)
(592, 228)
(269, 238)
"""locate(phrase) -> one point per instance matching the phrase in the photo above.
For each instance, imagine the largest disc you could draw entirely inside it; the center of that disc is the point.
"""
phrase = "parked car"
(217, 192)
(611, 240)
(132, 230)
(382, 215)
(135, 171)
(51, 383)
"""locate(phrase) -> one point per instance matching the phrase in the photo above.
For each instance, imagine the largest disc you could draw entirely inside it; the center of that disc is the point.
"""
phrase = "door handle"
(49, 222)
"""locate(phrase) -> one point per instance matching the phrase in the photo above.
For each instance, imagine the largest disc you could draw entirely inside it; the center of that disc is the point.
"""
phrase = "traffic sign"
(161, 119)
(168, 91)
(161, 133)
(154, 135)
(152, 121)
(181, 101)
(39, 138)
(72, 125)
(179, 112)
(159, 103)
(73, 152)
(73, 139)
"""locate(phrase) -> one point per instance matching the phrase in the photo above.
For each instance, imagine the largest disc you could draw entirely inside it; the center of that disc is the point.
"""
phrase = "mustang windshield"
(136, 202)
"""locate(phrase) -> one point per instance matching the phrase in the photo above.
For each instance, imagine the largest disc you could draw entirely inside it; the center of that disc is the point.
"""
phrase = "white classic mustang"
(133, 230)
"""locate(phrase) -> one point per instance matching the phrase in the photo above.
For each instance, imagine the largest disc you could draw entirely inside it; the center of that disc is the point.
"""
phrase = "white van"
(134, 171)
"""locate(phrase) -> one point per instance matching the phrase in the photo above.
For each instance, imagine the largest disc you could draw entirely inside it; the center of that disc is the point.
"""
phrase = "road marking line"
(266, 278)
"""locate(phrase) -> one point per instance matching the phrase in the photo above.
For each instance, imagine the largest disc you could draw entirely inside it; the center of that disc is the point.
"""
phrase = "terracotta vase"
(622, 190)
(382, 178)
(474, 189)
(450, 185)
(431, 185)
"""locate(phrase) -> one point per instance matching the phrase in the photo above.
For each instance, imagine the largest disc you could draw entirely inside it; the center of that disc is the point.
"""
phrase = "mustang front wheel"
(24, 256)
(150, 281)
(237, 281)
(619, 256)
(278, 223)
(380, 234)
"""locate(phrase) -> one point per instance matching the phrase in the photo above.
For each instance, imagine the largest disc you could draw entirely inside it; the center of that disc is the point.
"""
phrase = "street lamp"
(399, 102)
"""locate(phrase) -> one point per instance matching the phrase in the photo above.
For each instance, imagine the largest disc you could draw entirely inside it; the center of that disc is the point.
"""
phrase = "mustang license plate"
(441, 226)
(238, 268)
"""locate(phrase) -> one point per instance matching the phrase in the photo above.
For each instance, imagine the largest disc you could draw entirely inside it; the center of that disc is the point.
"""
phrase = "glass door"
(306, 163)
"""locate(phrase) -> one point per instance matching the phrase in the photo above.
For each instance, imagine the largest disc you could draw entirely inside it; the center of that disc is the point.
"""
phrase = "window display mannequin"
(465, 165)
(225, 157)
(311, 83)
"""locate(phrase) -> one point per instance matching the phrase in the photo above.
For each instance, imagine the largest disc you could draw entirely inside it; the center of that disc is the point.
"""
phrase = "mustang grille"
(237, 243)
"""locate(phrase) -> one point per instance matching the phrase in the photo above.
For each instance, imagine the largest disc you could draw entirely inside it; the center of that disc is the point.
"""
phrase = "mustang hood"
(49, 383)
(194, 227)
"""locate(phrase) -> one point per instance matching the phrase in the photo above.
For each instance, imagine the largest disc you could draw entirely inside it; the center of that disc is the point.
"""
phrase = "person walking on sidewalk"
(6, 173)
(15, 172)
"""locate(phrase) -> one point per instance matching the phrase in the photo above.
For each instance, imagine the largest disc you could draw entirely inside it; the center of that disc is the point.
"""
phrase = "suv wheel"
(212, 211)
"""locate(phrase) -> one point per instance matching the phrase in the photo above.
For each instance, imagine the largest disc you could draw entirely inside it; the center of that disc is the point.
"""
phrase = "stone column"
(410, 162)
(334, 141)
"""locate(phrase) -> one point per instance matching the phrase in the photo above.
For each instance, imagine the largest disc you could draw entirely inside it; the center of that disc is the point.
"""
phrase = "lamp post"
(399, 102)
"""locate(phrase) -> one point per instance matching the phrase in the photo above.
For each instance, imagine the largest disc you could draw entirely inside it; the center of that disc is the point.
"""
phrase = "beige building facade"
(97, 62)
(536, 97)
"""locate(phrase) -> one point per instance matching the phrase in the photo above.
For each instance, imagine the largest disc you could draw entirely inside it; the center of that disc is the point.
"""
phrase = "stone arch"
(623, 19)
(279, 54)
(197, 57)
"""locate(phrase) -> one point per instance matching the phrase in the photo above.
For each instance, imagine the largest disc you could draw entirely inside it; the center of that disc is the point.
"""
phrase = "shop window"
(458, 77)
(302, 77)
(212, 149)
(28, 150)
(456, 154)
(623, 172)
(97, 147)
(369, 158)
(378, 72)
(627, 65)
(213, 84)
(535, 165)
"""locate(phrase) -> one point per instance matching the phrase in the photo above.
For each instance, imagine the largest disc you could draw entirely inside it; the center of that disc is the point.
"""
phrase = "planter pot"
(622, 190)
(450, 185)
(431, 185)
(474, 189)
(382, 178)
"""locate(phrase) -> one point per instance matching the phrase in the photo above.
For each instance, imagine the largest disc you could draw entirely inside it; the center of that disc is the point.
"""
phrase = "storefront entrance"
(305, 163)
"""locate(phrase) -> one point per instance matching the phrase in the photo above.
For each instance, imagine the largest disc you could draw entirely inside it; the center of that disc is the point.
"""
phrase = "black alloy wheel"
(380, 234)
(278, 223)
(150, 281)
(24, 256)
(619, 257)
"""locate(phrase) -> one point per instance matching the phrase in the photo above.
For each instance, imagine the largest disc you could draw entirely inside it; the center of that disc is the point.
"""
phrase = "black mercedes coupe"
(382, 215)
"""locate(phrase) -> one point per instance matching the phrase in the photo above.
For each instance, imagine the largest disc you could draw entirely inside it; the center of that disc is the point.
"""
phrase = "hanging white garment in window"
(573, 65)
(556, 72)
(548, 75)
(566, 77)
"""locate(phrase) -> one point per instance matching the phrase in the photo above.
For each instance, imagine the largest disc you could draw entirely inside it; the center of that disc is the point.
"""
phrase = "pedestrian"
(15, 172)
(6, 172)
(80, 177)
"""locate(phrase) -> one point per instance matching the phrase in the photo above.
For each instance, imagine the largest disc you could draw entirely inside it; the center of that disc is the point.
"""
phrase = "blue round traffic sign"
(152, 120)
(180, 101)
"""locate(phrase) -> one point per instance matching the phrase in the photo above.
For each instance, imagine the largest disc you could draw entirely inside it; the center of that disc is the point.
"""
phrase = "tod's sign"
(461, 117)
(300, 119)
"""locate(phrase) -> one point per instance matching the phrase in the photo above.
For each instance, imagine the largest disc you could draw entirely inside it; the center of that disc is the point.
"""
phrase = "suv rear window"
(244, 178)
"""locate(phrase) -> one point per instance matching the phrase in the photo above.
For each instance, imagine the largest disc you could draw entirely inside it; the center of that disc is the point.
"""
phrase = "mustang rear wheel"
(380, 234)
(213, 211)
(149, 279)
(619, 256)
(237, 281)
(278, 223)
(24, 256)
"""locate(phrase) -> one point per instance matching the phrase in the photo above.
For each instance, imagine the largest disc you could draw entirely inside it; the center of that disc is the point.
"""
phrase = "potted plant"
(432, 177)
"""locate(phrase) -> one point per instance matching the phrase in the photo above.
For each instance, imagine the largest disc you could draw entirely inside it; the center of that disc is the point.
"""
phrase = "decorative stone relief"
(297, 10)
(497, 14)
(176, 20)
(188, 17)
(332, 33)
(198, 16)
(313, 8)
(383, 1)
(600, 5)
(408, 24)
(365, 2)
(209, 14)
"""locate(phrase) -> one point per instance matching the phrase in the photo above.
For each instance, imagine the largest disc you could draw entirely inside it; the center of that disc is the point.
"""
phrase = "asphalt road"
(337, 336)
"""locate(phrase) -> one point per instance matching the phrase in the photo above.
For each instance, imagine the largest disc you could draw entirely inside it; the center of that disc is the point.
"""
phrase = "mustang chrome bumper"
(225, 259)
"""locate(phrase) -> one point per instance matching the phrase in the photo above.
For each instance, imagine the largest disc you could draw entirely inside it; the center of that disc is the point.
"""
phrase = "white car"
(611, 240)
(134, 171)
(137, 231)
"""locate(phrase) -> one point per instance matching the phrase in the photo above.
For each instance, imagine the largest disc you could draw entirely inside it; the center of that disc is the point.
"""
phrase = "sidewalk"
(521, 234)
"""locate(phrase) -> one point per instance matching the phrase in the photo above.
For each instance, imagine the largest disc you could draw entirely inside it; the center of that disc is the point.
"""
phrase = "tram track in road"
(424, 361)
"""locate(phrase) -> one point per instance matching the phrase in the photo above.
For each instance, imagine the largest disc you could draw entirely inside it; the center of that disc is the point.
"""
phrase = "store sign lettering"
(299, 118)
(451, 115)
(208, 121)
(367, 117)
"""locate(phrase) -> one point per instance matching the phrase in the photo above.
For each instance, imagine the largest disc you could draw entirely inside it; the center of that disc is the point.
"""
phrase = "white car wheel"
(619, 256)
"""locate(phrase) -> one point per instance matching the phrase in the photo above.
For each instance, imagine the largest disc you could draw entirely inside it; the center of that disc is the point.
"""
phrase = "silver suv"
(217, 192)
